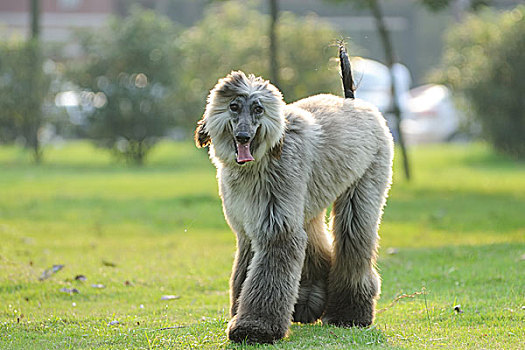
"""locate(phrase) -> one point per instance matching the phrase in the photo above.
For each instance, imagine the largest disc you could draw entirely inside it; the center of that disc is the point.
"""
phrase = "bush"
(23, 88)
(234, 36)
(126, 78)
(485, 62)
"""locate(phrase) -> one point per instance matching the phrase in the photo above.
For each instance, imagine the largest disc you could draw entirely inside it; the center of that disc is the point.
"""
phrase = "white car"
(427, 112)
(430, 115)
(372, 80)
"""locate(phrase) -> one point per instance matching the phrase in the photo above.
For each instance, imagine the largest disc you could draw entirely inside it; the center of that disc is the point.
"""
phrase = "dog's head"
(243, 119)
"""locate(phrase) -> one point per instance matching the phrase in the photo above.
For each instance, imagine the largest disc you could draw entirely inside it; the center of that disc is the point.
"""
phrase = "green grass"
(458, 230)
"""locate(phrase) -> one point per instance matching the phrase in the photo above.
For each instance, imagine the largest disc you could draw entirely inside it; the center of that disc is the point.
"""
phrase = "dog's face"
(243, 119)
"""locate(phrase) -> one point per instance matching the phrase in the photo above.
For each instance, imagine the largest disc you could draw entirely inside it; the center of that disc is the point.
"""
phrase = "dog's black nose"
(242, 137)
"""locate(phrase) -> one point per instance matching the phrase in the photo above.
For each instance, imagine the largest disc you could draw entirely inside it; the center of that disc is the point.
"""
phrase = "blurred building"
(416, 32)
(58, 17)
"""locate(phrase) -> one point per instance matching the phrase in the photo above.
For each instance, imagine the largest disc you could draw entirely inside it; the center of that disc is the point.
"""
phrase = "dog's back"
(350, 133)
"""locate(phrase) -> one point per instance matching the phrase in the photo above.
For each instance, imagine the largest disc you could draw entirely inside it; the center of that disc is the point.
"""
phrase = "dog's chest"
(245, 198)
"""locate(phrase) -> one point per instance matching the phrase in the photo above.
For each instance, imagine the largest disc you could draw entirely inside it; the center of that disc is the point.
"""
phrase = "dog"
(279, 167)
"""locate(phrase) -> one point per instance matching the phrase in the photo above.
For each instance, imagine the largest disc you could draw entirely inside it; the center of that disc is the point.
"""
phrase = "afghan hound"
(279, 167)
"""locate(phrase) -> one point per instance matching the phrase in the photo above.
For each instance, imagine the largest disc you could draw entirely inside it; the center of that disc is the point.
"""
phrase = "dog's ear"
(202, 138)
(277, 150)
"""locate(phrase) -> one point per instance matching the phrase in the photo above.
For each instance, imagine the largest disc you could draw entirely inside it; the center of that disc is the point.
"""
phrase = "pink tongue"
(243, 153)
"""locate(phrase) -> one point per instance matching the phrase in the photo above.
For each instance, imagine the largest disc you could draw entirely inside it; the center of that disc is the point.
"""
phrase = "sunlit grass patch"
(455, 232)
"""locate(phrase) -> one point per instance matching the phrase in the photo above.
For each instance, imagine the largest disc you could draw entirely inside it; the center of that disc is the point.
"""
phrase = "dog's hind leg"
(354, 284)
(312, 291)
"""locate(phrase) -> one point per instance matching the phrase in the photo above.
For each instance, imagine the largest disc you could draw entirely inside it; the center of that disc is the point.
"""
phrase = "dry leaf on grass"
(108, 263)
(69, 290)
(50, 272)
(392, 251)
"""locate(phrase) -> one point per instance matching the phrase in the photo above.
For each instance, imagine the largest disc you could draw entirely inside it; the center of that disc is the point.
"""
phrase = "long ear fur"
(202, 138)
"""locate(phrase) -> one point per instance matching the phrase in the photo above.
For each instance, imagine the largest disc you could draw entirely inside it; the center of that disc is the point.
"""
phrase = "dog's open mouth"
(243, 152)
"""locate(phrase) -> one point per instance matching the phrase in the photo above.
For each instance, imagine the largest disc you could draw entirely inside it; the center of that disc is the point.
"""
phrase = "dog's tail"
(346, 72)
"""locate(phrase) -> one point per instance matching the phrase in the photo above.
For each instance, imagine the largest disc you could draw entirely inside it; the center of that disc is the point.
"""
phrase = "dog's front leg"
(243, 257)
(270, 290)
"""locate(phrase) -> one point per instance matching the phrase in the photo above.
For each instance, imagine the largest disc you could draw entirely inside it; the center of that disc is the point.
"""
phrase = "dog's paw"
(349, 315)
(352, 307)
(254, 331)
(310, 304)
(306, 313)
(347, 322)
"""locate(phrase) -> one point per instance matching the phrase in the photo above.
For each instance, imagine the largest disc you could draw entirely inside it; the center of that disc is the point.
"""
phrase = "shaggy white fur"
(319, 151)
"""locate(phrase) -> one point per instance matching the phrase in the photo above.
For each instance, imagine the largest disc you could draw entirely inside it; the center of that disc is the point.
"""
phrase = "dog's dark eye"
(258, 110)
(234, 107)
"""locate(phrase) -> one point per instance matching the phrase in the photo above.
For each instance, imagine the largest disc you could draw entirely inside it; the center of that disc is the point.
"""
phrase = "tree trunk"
(37, 150)
(274, 66)
(35, 19)
(390, 60)
(140, 153)
(34, 119)
(136, 153)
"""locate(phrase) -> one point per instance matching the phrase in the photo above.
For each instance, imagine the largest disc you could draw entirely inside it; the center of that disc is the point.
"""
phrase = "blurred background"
(111, 228)
(126, 74)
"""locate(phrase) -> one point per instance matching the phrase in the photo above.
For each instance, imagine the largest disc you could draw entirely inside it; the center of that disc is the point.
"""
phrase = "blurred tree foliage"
(484, 60)
(127, 76)
(141, 76)
(23, 88)
(234, 36)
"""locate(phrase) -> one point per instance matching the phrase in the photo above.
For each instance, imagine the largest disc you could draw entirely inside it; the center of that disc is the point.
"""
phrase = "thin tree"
(33, 120)
(274, 64)
(386, 41)
(390, 57)
(375, 8)
(35, 19)
(273, 6)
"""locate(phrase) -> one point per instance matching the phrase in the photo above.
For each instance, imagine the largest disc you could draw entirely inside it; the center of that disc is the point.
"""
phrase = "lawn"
(455, 233)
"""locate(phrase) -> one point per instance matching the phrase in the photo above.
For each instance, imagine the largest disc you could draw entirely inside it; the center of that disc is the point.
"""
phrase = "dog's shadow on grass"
(317, 336)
